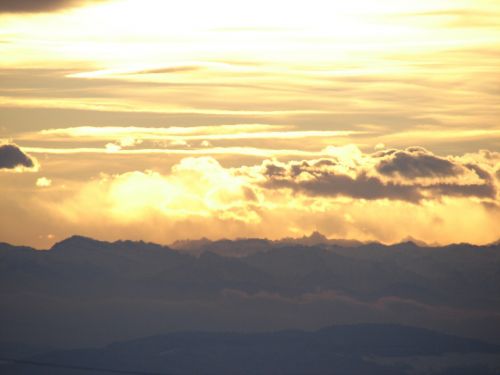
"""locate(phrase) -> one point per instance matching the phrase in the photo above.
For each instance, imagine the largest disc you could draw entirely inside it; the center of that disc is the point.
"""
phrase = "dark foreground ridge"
(350, 349)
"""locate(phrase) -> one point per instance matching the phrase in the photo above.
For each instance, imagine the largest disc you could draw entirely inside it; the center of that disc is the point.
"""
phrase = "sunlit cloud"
(411, 175)
(104, 104)
(114, 148)
(107, 132)
(196, 140)
(196, 188)
(463, 17)
(181, 67)
(43, 182)
(129, 136)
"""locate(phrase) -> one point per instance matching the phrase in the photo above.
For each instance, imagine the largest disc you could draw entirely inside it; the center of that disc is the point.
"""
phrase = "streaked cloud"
(114, 148)
(123, 105)
(262, 140)
(463, 18)
(219, 132)
(109, 132)
(184, 67)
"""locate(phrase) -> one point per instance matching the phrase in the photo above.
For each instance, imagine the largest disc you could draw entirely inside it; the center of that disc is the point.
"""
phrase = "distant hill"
(84, 292)
(350, 349)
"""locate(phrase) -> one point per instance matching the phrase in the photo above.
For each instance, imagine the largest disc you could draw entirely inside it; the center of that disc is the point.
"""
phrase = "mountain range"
(360, 349)
(88, 293)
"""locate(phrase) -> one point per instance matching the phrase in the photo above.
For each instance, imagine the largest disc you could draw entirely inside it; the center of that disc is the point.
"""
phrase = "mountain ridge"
(358, 348)
(197, 246)
(103, 286)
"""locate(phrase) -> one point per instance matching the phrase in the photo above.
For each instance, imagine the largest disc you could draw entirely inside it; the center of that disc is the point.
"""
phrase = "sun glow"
(131, 34)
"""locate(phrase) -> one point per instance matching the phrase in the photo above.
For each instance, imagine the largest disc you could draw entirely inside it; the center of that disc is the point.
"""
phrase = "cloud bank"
(411, 175)
(342, 194)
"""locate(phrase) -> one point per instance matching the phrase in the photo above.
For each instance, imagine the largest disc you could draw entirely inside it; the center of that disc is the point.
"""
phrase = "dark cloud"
(12, 157)
(331, 184)
(272, 170)
(471, 190)
(329, 178)
(480, 172)
(39, 6)
(416, 162)
(490, 155)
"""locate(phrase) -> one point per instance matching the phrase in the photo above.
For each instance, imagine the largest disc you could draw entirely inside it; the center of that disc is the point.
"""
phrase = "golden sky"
(162, 120)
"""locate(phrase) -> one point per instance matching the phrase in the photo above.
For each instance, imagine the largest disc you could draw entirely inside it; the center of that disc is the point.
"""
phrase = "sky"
(161, 120)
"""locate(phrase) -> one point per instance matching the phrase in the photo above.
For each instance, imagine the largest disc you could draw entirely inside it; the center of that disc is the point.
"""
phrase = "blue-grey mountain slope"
(352, 349)
(84, 292)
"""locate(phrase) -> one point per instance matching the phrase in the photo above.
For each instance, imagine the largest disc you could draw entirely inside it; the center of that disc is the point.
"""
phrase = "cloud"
(308, 179)
(196, 188)
(205, 143)
(12, 158)
(339, 193)
(170, 69)
(463, 18)
(39, 6)
(480, 172)
(181, 67)
(410, 175)
(255, 139)
(113, 147)
(415, 162)
(215, 132)
(43, 182)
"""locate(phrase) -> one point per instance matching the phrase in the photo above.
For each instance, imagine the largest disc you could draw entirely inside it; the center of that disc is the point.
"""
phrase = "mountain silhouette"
(349, 349)
(85, 292)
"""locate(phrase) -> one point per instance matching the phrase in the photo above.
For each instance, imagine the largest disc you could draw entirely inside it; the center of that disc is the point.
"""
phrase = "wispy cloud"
(463, 17)
(248, 151)
(218, 132)
(110, 132)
